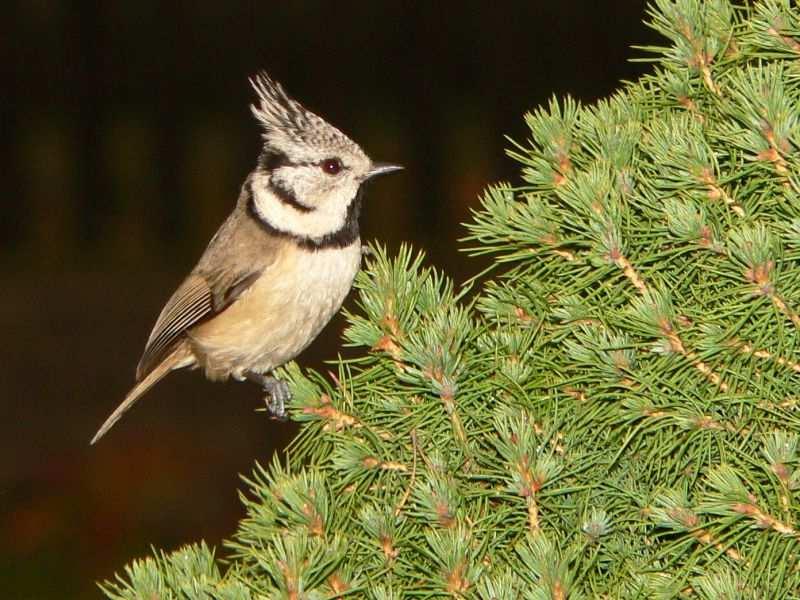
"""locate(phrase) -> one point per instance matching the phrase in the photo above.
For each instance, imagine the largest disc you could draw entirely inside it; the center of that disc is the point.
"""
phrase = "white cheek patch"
(326, 218)
(302, 184)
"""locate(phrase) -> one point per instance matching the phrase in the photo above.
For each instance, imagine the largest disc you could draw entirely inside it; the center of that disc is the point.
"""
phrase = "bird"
(278, 268)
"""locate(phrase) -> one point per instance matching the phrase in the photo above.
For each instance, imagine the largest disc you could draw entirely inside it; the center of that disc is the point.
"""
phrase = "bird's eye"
(332, 166)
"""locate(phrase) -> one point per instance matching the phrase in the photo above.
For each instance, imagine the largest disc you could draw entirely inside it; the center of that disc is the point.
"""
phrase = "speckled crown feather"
(292, 129)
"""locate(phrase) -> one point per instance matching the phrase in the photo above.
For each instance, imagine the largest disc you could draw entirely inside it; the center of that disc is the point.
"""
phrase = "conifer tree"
(614, 414)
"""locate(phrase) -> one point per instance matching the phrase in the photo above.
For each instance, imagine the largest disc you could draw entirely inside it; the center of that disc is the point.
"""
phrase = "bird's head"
(309, 173)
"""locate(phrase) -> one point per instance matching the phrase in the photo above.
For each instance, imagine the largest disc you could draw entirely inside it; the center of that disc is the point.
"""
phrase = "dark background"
(125, 136)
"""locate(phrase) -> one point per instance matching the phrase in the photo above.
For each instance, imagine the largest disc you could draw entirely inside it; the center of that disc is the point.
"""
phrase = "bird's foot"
(278, 395)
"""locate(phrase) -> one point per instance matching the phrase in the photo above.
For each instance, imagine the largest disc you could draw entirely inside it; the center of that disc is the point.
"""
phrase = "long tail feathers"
(167, 365)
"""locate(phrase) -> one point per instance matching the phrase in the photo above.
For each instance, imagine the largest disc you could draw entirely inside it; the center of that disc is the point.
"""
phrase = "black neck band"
(341, 238)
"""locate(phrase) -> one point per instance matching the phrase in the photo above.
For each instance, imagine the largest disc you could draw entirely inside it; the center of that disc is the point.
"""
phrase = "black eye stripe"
(274, 160)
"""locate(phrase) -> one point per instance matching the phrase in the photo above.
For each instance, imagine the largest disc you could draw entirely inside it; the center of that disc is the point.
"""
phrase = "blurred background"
(125, 137)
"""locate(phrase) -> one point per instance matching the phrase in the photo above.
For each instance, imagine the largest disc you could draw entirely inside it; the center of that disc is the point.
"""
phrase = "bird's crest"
(290, 128)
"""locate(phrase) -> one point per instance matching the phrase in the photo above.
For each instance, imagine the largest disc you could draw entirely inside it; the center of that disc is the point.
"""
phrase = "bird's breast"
(281, 313)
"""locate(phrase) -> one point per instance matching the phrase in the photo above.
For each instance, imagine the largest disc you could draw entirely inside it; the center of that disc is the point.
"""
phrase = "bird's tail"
(173, 361)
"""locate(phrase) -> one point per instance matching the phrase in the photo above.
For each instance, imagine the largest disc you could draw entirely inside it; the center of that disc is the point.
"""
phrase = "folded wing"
(196, 300)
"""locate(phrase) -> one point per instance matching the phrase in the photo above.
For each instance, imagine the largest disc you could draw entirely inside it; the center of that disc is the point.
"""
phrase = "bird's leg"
(277, 394)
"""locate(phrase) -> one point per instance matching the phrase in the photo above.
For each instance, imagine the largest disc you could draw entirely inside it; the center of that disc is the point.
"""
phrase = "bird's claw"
(278, 395)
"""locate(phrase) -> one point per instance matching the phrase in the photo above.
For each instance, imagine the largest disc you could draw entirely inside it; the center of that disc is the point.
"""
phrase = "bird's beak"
(382, 169)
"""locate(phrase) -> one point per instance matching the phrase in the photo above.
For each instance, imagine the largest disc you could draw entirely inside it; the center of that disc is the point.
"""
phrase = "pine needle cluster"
(614, 414)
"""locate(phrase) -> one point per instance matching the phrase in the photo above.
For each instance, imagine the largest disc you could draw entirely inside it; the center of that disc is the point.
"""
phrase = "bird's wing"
(200, 297)
(238, 254)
